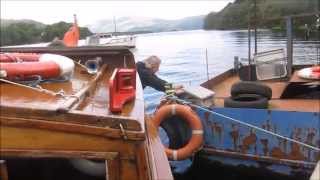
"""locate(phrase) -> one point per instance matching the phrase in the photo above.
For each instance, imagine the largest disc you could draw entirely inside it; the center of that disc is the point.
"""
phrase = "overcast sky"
(49, 12)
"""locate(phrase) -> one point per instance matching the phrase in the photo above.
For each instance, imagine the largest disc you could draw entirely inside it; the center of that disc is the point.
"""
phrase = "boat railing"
(270, 64)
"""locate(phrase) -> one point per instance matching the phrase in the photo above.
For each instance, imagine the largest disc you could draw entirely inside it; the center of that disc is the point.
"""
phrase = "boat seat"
(270, 64)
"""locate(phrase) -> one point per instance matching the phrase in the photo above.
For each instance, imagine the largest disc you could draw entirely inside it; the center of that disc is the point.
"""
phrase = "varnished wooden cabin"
(43, 130)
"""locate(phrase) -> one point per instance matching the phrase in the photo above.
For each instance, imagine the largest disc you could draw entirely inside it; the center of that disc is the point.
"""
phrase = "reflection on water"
(183, 54)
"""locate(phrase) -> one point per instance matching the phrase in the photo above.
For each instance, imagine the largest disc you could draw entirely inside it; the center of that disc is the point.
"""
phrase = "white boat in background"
(108, 39)
(72, 39)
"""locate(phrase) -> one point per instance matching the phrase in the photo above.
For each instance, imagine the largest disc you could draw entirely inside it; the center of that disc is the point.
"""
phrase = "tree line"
(266, 14)
(21, 32)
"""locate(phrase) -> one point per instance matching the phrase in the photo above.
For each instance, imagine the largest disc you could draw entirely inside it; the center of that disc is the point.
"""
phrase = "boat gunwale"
(71, 116)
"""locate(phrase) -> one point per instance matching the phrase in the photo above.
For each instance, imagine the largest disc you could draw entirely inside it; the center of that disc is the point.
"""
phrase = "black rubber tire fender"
(247, 101)
(248, 87)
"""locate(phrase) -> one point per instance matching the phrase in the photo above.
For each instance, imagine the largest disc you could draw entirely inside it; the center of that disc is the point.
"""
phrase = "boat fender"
(310, 73)
(247, 87)
(247, 101)
(188, 115)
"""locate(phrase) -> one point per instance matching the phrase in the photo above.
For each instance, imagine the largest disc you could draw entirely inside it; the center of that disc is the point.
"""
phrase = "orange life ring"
(18, 57)
(316, 68)
(21, 66)
(194, 122)
(310, 73)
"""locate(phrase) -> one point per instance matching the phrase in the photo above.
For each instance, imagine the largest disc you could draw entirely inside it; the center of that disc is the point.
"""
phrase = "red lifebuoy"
(316, 69)
(18, 57)
(310, 73)
(22, 71)
(20, 66)
(186, 113)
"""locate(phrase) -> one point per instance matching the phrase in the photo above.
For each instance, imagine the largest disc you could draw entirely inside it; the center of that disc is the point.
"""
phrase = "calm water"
(183, 54)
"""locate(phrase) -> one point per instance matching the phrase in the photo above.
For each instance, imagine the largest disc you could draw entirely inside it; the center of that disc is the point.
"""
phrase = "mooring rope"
(37, 88)
(243, 123)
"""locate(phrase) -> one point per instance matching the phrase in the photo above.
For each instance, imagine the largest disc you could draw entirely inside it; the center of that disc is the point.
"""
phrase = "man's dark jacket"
(149, 79)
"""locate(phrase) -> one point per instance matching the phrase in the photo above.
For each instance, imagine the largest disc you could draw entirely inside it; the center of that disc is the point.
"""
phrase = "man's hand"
(178, 89)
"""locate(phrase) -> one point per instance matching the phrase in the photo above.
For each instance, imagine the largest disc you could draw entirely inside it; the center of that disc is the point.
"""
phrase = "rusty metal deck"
(223, 87)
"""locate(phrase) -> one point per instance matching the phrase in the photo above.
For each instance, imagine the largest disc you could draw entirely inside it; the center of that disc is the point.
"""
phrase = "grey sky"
(49, 12)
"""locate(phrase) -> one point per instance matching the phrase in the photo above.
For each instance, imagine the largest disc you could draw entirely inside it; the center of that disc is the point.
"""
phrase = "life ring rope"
(194, 122)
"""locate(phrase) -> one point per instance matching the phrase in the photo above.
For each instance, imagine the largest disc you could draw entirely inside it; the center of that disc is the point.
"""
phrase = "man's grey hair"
(151, 61)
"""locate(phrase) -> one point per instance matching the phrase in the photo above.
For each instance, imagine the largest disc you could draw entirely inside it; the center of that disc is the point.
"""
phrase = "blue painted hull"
(234, 144)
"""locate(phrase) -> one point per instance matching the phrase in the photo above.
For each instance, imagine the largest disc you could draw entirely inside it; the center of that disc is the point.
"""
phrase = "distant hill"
(7, 22)
(235, 15)
(128, 24)
(17, 32)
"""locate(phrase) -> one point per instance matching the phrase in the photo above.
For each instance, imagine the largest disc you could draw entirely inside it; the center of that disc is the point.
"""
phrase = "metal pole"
(115, 25)
(255, 27)
(289, 45)
(249, 46)
(207, 64)
(318, 32)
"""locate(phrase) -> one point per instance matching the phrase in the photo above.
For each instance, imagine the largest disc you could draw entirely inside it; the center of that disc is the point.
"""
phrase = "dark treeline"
(26, 32)
(236, 15)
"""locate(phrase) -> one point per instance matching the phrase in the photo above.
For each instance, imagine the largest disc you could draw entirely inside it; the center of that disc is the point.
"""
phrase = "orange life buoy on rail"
(186, 113)
(310, 73)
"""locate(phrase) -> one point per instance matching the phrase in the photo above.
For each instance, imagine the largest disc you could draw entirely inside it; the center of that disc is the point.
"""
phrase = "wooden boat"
(54, 130)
